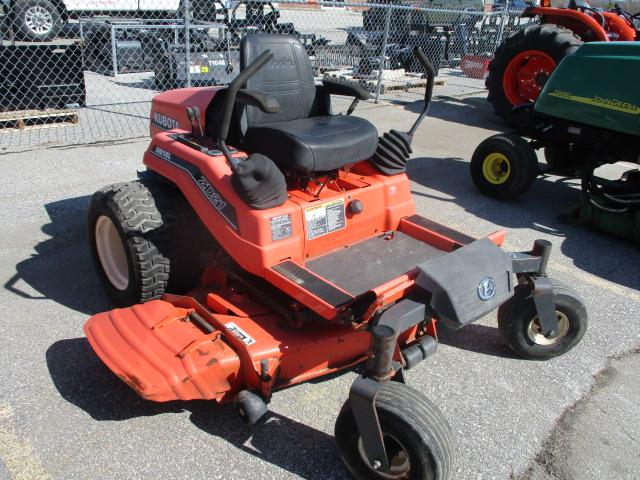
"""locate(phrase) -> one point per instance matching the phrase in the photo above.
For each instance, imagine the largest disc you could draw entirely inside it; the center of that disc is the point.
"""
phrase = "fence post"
(114, 48)
(385, 38)
(187, 40)
(504, 18)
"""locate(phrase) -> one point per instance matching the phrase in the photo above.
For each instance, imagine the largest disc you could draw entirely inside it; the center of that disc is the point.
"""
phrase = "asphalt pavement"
(63, 415)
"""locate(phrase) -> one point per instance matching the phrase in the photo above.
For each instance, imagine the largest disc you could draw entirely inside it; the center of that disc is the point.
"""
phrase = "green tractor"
(587, 115)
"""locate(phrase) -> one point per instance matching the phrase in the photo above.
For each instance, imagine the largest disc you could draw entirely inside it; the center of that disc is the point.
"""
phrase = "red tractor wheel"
(523, 63)
(525, 76)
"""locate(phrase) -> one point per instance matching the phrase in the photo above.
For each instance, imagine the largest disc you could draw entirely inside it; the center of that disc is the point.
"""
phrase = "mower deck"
(161, 350)
(206, 345)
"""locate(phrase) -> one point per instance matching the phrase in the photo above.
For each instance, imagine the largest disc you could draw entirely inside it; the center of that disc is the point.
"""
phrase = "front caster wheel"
(417, 437)
(520, 328)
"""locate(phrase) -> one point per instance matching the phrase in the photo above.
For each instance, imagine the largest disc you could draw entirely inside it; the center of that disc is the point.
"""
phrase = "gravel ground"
(63, 415)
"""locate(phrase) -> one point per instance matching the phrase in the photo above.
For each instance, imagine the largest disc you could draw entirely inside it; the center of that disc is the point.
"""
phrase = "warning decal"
(281, 227)
(324, 218)
(241, 334)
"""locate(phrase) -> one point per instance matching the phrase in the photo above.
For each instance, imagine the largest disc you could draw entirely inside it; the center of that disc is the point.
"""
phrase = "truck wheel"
(137, 237)
(36, 20)
(522, 64)
(519, 326)
(504, 166)
(417, 437)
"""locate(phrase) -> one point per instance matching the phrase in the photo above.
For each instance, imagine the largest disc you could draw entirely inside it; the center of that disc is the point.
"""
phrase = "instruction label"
(281, 227)
(324, 218)
(241, 334)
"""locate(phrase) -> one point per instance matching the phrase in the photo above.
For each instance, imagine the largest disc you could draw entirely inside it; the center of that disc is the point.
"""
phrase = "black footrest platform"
(313, 284)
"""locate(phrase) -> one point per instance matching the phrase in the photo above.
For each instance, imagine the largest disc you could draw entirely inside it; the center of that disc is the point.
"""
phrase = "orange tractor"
(524, 61)
(295, 251)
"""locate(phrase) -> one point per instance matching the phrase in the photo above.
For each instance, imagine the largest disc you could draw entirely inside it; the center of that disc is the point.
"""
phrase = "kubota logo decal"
(277, 63)
(162, 121)
(602, 102)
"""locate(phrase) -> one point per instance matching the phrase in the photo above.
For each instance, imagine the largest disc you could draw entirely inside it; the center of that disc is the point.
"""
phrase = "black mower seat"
(315, 144)
(296, 136)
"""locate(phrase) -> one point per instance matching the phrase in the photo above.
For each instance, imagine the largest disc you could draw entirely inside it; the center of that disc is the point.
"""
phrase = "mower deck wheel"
(504, 166)
(249, 406)
(520, 328)
(417, 437)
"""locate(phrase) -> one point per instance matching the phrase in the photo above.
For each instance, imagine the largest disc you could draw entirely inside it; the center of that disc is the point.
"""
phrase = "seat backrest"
(288, 77)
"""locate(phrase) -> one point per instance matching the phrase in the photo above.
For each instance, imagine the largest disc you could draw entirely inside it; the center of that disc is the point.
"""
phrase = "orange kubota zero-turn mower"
(523, 63)
(302, 254)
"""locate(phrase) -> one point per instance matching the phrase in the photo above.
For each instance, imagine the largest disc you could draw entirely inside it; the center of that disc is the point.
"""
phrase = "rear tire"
(517, 323)
(547, 44)
(504, 166)
(417, 436)
(145, 240)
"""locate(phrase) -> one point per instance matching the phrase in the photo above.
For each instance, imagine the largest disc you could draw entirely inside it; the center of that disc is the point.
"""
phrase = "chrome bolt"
(377, 464)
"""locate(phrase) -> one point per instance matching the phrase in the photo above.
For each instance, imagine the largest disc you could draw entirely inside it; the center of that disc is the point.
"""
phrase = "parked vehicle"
(295, 253)
(586, 116)
(523, 63)
(41, 20)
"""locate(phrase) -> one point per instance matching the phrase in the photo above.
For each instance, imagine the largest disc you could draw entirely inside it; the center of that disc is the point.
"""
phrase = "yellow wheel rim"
(496, 168)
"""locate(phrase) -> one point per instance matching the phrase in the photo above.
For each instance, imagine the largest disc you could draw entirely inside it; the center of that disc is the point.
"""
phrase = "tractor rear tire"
(514, 78)
(517, 322)
(417, 437)
(504, 166)
(145, 240)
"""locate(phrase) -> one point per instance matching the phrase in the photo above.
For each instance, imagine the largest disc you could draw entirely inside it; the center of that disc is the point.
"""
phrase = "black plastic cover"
(468, 283)
(260, 182)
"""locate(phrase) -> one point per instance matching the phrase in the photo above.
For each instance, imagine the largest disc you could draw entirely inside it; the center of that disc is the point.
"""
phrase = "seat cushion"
(314, 144)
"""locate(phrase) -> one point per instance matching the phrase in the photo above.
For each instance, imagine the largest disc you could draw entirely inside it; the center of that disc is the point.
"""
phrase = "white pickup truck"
(39, 20)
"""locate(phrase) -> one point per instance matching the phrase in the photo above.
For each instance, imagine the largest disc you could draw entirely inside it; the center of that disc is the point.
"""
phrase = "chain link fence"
(83, 71)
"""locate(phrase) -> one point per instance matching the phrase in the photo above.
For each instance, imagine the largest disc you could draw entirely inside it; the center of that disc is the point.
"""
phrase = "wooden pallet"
(401, 82)
(22, 119)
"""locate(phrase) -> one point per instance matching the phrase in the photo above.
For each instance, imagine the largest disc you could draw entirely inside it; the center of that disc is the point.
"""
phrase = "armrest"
(337, 86)
(257, 99)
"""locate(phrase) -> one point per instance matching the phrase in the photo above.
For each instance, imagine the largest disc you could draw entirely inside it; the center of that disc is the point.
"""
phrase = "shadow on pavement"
(476, 338)
(61, 268)
(83, 380)
(592, 251)
(474, 111)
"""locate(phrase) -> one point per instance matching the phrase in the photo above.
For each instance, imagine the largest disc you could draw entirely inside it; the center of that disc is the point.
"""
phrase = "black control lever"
(428, 92)
(230, 100)
(192, 121)
(196, 114)
(196, 122)
(394, 147)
